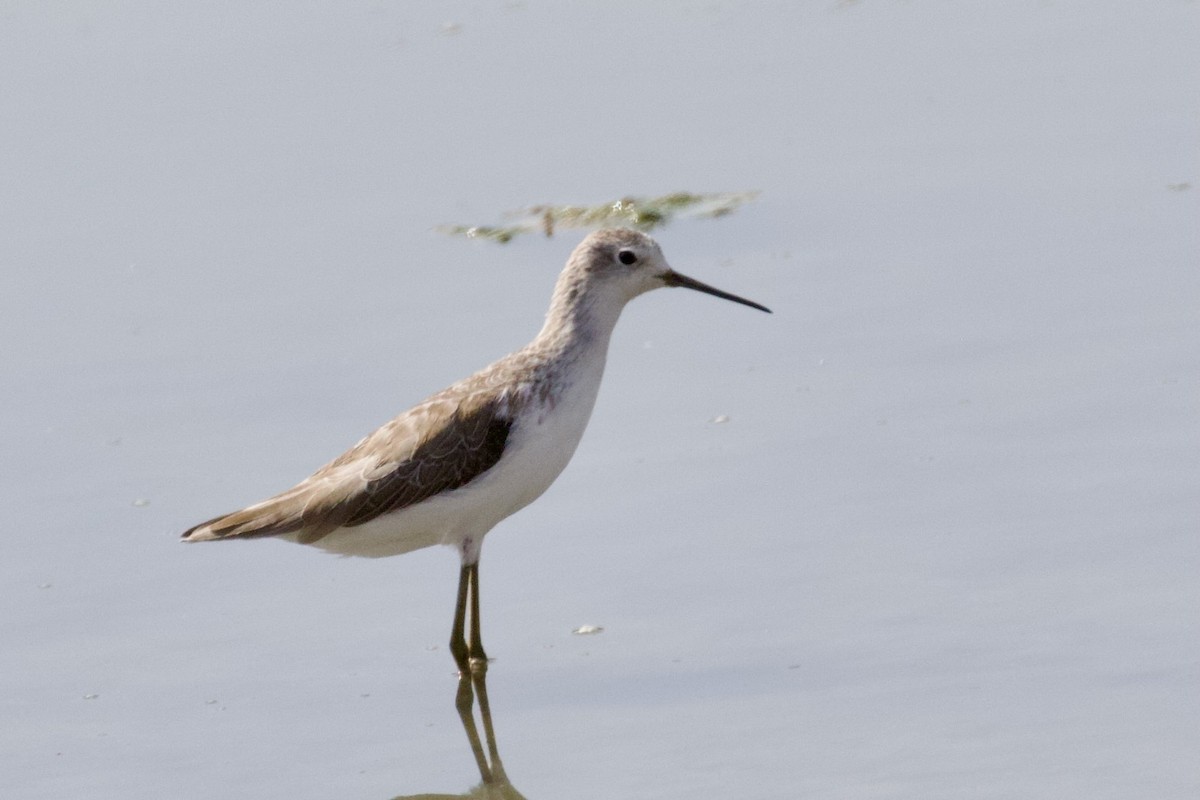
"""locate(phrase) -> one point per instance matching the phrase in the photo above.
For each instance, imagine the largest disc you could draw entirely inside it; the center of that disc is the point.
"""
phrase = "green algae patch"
(643, 213)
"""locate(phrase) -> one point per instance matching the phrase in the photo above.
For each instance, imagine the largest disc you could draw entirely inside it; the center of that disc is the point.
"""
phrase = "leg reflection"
(472, 686)
(493, 783)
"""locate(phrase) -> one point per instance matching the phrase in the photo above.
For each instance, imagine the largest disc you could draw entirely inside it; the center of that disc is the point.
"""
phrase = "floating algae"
(644, 213)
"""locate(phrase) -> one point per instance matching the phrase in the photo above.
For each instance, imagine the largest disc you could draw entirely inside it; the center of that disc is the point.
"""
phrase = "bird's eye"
(627, 257)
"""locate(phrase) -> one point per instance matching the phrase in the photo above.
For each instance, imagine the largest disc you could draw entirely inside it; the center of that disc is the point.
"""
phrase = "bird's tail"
(268, 518)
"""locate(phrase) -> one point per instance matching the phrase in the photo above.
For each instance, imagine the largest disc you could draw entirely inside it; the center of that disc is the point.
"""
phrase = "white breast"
(541, 441)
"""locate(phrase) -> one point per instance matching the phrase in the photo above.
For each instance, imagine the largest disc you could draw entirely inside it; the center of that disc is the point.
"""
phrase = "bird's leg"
(468, 649)
(458, 639)
(478, 658)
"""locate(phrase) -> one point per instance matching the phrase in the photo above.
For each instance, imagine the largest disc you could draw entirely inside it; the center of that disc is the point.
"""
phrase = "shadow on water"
(493, 782)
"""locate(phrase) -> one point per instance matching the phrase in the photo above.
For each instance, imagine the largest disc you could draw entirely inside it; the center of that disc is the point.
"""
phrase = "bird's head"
(627, 263)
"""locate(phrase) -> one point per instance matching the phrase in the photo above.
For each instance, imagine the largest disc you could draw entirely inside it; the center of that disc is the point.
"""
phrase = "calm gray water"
(944, 546)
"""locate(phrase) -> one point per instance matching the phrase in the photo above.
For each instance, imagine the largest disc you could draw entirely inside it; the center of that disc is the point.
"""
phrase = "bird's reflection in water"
(493, 783)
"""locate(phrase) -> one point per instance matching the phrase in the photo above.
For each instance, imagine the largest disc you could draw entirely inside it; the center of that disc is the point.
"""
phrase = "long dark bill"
(673, 278)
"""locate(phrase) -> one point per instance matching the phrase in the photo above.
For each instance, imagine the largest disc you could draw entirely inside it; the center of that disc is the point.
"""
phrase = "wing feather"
(438, 446)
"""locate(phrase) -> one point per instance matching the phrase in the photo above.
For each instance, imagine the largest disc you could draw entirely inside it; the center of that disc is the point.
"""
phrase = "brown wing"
(440, 445)
(457, 454)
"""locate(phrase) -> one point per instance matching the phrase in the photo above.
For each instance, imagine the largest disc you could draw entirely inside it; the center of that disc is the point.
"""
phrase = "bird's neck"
(581, 319)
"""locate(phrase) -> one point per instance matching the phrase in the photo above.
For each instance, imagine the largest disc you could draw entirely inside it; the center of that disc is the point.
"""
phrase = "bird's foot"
(478, 662)
(470, 661)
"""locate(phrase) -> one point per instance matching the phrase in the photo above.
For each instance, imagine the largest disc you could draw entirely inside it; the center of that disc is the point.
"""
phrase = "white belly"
(540, 443)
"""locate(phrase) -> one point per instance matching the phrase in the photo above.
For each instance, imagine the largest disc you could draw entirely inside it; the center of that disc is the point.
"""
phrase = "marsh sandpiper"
(449, 469)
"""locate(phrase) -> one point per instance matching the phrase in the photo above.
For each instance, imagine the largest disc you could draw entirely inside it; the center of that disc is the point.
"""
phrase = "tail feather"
(270, 518)
(312, 509)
